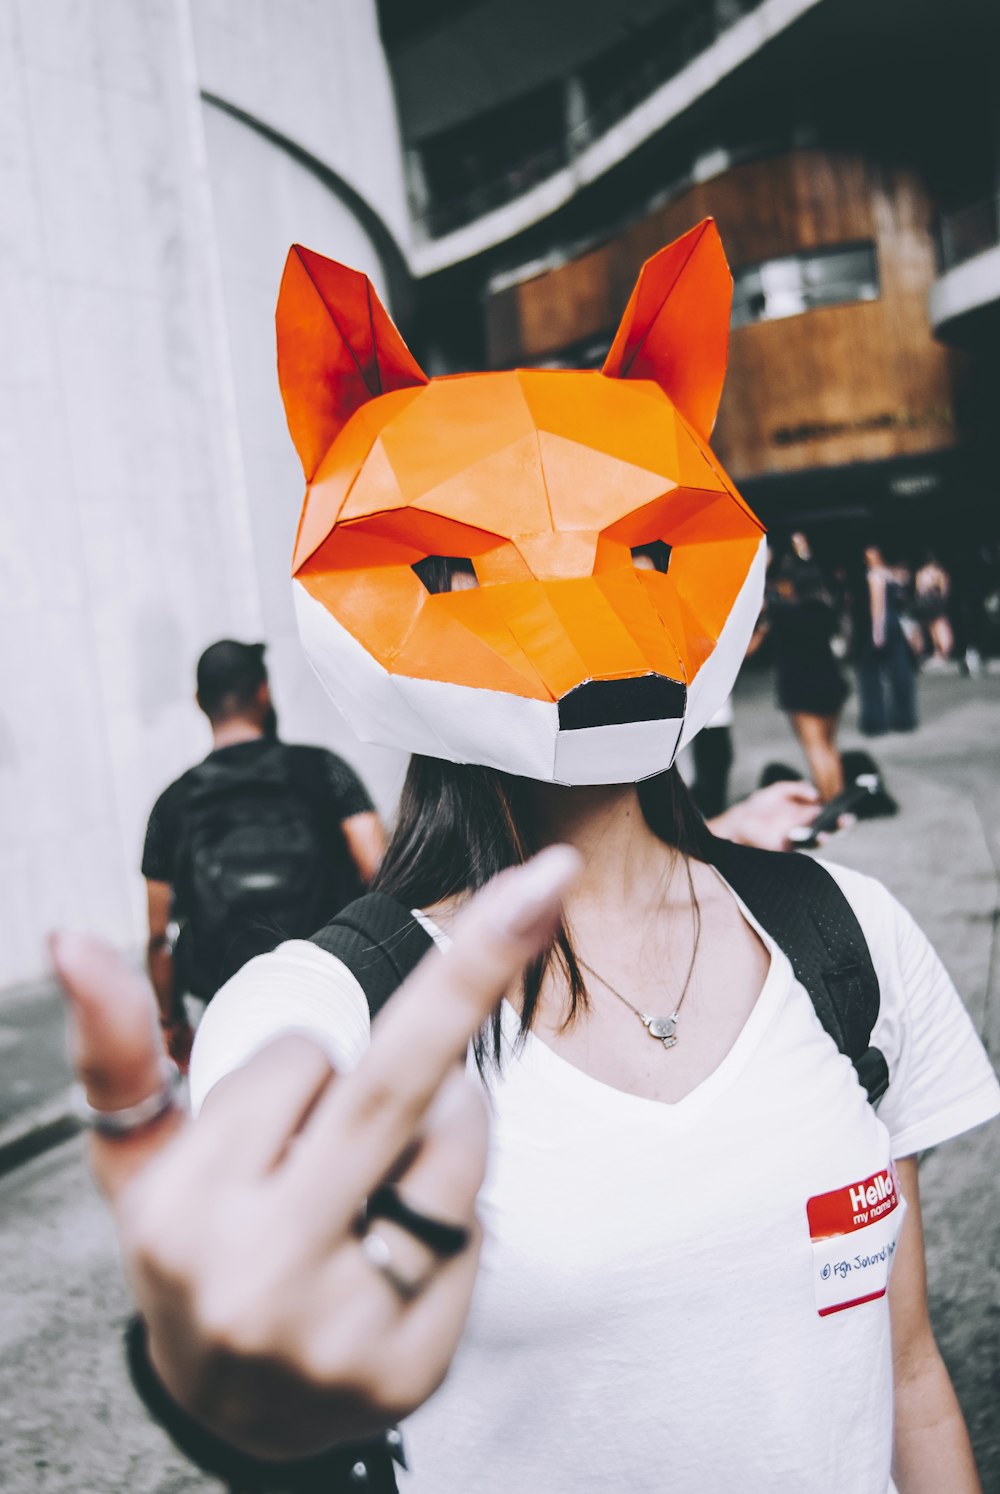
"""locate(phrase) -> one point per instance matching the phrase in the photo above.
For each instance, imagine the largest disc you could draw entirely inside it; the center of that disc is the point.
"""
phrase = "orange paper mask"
(605, 574)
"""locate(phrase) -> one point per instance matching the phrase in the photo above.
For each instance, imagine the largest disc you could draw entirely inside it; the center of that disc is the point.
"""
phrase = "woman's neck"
(625, 863)
(627, 868)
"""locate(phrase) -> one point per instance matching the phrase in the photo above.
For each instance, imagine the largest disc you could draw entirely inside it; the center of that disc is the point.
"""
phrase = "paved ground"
(32, 1051)
(68, 1421)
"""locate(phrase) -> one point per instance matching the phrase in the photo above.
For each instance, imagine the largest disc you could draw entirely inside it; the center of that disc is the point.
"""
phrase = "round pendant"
(662, 1027)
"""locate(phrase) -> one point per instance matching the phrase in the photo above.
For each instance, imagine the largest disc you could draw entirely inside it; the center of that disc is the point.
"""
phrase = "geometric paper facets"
(606, 575)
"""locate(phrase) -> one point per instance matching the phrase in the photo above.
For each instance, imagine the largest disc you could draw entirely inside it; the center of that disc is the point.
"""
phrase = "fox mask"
(546, 572)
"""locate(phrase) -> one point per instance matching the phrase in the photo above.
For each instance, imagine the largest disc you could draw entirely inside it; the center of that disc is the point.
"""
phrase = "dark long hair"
(458, 825)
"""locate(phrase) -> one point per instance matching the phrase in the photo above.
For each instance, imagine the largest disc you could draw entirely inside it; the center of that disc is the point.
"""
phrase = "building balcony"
(465, 200)
(965, 299)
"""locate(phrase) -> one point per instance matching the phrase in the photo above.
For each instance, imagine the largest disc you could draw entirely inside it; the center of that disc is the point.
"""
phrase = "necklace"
(664, 1029)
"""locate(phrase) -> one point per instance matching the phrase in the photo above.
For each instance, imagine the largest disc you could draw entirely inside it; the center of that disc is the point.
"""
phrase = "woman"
(810, 686)
(690, 1209)
(932, 588)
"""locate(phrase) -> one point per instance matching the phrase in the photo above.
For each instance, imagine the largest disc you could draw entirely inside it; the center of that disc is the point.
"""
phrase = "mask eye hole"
(652, 557)
(446, 573)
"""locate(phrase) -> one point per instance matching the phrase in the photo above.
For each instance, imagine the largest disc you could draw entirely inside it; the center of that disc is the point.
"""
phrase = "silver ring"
(132, 1118)
(379, 1256)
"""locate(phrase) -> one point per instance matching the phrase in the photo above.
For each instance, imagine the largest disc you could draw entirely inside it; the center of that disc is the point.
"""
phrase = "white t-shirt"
(685, 1297)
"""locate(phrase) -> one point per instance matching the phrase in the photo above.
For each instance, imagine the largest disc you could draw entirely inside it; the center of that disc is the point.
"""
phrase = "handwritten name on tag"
(854, 1231)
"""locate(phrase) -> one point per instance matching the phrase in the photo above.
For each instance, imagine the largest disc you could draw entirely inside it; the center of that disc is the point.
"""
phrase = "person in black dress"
(811, 689)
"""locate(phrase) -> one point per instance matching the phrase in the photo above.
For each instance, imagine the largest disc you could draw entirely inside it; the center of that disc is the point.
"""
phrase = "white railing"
(438, 218)
(969, 231)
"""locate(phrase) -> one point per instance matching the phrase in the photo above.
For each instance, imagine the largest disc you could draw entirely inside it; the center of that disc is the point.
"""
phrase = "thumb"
(115, 1044)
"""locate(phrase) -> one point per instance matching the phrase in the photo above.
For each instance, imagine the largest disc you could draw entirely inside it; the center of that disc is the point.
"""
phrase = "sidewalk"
(36, 1098)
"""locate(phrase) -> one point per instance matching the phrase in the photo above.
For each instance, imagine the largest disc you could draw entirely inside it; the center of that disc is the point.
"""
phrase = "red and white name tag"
(854, 1231)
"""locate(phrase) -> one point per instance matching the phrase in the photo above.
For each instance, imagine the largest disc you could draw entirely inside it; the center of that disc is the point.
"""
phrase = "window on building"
(801, 282)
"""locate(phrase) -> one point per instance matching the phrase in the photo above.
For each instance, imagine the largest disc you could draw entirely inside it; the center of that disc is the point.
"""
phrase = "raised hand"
(271, 1318)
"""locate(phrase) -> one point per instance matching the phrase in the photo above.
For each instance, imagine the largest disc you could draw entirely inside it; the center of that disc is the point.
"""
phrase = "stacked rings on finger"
(443, 1239)
(131, 1118)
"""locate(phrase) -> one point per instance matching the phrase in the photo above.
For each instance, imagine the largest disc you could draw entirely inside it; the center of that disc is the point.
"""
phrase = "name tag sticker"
(854, 1231)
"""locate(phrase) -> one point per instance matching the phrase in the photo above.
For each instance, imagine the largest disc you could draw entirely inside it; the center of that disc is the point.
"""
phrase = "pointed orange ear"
(675, 330)
(337, 348)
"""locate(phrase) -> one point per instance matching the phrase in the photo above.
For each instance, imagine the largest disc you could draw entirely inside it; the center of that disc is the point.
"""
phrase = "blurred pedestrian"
(801, 547)
(261, 842)
(932, 585)
(885, 663)
(811, 689)
(712, 750)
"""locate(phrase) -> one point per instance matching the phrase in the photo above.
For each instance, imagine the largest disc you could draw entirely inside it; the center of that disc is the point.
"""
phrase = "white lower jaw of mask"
(463, 724)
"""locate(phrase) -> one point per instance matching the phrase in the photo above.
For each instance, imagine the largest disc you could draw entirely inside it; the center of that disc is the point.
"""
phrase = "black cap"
(228, 669)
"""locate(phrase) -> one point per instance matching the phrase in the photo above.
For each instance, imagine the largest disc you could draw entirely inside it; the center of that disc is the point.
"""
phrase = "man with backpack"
(261, 842)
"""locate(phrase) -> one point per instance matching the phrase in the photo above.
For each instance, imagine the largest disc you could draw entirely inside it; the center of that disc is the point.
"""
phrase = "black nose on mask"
(650, 697)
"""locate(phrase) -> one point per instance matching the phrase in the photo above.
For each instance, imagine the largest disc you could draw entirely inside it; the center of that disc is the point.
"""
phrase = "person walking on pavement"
(712, 750)
(884, 660)
(810, 686)
(932, 588)
(263, 841)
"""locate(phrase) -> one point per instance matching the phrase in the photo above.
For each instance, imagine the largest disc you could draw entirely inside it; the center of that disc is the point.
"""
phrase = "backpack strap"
(379, 941)
(804, 910)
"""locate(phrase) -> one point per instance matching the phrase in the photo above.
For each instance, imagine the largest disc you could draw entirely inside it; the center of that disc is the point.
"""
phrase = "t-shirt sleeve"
(941, 1081)
(161, 834)
(298, 987)
(348, 792)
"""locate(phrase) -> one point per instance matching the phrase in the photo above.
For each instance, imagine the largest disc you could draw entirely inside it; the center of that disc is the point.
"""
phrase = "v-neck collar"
(560, 1071)
(557, 1070)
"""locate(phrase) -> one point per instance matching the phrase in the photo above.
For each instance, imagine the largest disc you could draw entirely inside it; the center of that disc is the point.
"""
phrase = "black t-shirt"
(321, 776)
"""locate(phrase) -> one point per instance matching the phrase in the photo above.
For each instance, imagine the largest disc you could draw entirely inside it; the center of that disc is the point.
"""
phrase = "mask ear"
(675, 330)
(337, 348)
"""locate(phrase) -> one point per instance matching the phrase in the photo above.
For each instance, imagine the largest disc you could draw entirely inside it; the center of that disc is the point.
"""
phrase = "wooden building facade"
(812, 384)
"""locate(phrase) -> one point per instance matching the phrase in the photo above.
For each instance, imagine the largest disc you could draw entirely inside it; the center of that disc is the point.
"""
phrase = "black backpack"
(258, 862)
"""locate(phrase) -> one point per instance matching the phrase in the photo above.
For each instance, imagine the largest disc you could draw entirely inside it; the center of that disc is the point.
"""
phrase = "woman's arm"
(932, 1451)
(760, 632)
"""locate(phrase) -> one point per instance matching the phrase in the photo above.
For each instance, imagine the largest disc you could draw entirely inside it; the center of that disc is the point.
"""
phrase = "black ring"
(446, 1240)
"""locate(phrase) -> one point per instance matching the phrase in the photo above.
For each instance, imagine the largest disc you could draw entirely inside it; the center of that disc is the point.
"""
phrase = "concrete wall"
(147, 486)
(314, 71)
(264, 201)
